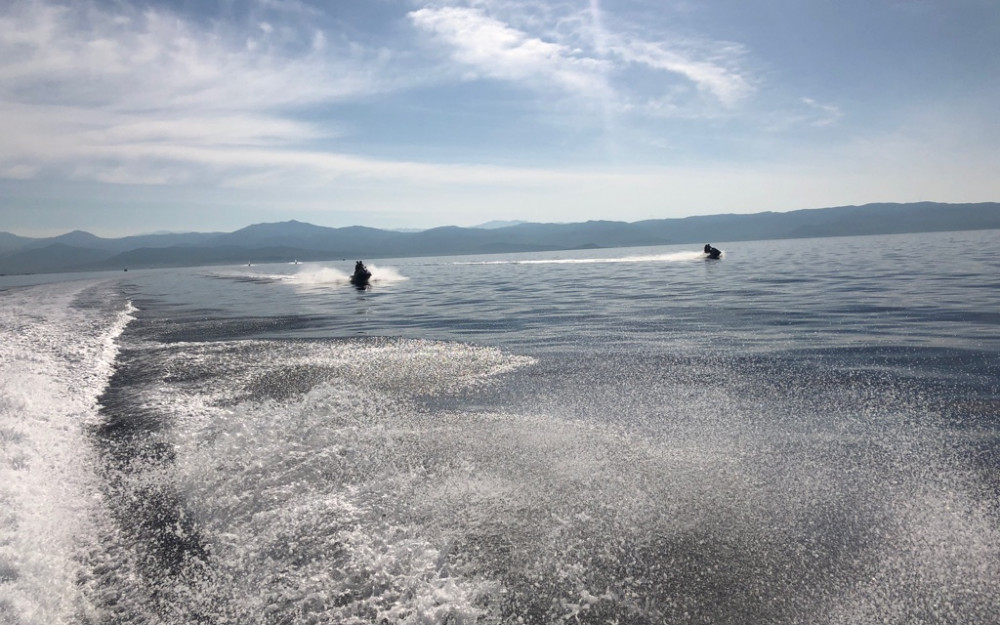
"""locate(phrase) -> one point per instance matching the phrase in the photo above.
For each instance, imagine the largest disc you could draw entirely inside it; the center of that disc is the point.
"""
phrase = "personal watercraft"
(361, 275)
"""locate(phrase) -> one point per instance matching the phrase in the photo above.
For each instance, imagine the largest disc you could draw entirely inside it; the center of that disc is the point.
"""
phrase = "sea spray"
(282, 492)
(58, 348)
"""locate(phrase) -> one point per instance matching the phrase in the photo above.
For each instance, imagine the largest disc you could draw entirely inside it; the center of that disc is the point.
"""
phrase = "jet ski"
(712, 252)
(361, 275)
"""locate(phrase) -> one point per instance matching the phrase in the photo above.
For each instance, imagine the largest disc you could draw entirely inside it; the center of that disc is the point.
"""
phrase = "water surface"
(804, 431)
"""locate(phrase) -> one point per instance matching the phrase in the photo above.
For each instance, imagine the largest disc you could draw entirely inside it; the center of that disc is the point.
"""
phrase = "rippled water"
(801, 432)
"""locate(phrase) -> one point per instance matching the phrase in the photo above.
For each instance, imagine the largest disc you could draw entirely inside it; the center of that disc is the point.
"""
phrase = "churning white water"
(56, 357)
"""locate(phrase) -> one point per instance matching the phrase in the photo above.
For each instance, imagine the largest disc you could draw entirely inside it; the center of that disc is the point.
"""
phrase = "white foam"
(319, 276)
(326, 489)
(385, 275)
(55, 360)
(291, 493)
(672, 257)
(309, 276)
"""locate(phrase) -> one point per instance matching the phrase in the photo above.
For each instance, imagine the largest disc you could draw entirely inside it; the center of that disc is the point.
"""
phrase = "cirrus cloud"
(489, 48)
(585, 60)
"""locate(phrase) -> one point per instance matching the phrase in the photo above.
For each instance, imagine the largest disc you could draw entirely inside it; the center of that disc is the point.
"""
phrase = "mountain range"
(289, 240)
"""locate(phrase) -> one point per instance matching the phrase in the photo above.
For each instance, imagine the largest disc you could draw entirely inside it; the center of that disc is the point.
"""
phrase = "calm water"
(801, 432)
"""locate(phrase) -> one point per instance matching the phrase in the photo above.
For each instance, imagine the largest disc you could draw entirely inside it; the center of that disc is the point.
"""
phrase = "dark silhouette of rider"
(711, 251)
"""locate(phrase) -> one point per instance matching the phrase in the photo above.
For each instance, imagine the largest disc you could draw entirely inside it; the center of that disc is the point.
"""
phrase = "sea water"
(803, 431)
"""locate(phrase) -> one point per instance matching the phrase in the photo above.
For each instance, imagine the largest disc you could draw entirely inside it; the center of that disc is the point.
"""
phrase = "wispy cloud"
(487, 47)
(150, 59)
(802, 114)
(84, 90)
(727, 85)
(232, 151)
(825, 114)
(577, 52)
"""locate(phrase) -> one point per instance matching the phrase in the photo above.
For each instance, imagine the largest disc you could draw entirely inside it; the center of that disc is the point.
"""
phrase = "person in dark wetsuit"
(711, 251)
(361, 274)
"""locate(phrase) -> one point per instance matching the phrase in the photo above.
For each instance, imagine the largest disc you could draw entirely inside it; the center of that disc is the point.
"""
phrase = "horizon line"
(479, 226)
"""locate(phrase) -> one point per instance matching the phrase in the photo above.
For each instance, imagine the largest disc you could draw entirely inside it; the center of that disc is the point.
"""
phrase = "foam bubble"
(55, 360)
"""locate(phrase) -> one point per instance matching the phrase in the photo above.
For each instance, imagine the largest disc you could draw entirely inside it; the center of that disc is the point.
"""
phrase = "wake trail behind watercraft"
(643, 258)
(58, 349)
(309, 277)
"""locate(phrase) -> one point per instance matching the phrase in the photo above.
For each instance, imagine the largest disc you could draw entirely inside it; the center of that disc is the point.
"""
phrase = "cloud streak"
(132, 90)
(152, 60)
(724, 84)
(586, 61)
(492, 49)
(80, 86)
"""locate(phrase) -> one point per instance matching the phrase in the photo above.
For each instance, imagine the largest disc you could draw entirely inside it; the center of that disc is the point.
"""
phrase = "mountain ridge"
(289, 240)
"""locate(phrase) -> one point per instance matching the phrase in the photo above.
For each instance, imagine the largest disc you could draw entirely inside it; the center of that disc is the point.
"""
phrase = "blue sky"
(124, 117)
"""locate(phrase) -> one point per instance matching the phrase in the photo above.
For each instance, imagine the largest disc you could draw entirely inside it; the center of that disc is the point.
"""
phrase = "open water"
(801, 432)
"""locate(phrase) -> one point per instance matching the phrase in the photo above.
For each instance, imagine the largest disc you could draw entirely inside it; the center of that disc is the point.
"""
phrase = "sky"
(121, 117)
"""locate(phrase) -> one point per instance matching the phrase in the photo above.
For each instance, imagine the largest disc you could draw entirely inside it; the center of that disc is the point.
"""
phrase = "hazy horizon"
(492, 224)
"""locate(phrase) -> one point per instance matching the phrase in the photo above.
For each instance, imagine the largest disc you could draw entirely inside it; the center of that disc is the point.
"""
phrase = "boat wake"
(672, 257)
(57, 354)
(311, 276)
(318, 276)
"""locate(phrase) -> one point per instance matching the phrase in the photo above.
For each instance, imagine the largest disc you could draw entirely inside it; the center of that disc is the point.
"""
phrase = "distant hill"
(52, 258)
(493, 225)
(11, 242)
(285, 241)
